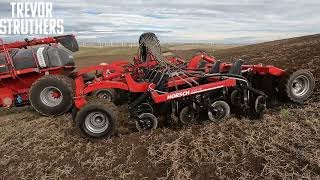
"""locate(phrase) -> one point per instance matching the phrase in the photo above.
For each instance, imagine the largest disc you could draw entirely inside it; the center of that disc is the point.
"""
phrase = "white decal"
(40, 57)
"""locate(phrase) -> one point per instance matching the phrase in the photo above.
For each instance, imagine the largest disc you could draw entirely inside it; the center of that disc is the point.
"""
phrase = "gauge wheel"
(187, 115)
(218, 111)
(299, 85)
(146, 121)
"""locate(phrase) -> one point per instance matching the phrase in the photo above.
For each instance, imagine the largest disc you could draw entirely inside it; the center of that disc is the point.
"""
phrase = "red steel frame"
(120, 78)
(224, 67)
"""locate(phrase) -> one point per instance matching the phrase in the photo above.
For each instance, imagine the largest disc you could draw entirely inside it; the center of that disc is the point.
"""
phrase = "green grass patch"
(285, 114)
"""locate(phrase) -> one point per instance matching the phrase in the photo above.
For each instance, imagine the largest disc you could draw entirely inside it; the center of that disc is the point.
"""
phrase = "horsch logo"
(33, 18)
(177, 95)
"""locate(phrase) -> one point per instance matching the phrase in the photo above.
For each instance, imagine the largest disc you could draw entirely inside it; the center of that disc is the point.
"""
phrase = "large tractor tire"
(298, 86)
(145, 40)
(97, 118)
(52, 95)
(150, 37)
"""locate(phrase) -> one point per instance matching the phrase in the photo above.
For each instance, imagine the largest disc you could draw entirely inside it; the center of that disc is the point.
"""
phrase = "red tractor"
(37, 72)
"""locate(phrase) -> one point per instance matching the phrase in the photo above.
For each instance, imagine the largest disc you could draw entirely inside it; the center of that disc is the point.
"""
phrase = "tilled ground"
(284, 144)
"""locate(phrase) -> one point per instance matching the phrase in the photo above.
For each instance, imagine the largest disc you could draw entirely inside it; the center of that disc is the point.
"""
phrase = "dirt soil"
(285, 144)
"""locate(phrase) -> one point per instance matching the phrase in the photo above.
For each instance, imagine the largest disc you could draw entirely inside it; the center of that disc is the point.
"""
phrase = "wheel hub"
(105, 95)
(96, 122)
(300, 86)
(145, 123)
(219, 112)
(51, 96)
(187, 115)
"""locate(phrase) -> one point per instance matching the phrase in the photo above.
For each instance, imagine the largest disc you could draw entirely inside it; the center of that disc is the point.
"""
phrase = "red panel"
(134, 86)
(209, 59)
(275, 71)
(79, 86)
(194, 62)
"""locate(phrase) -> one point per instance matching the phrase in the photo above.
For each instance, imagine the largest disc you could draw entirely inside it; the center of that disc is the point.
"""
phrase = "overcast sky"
(219, 21)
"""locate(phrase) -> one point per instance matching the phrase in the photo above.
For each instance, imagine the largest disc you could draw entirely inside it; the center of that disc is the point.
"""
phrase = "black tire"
(298, 86)
(97, 119)
(151, 37)
(218, 111)
(40, 91)
(149, 118)
(108, 94)
(187, 115)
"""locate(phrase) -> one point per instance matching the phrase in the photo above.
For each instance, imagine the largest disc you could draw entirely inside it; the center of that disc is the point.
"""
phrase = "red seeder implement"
(166, 86)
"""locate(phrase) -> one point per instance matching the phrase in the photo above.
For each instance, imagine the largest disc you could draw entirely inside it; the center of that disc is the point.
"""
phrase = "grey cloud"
(244, 21)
